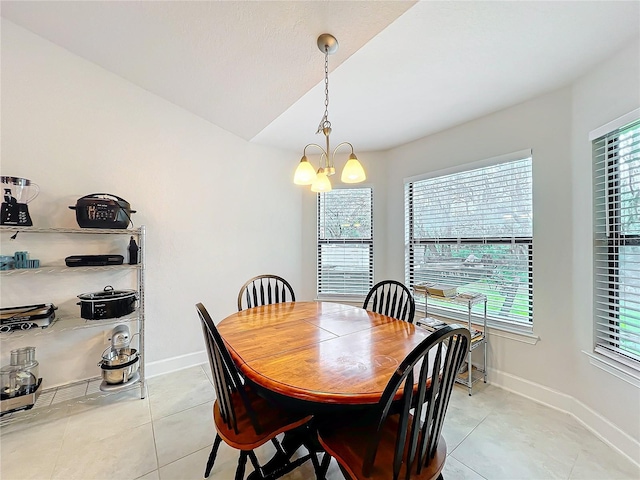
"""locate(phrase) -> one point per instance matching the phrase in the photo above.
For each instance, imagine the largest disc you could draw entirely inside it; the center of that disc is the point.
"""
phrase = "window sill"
(506, 330)
(613, 367)
(519, 335)
(350, 300)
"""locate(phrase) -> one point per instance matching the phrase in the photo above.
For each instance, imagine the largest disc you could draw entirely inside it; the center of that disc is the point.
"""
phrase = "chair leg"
(212, 455)
(324, 466)
(316, 466)
(279, 448)
(257, 473)
(242, 461)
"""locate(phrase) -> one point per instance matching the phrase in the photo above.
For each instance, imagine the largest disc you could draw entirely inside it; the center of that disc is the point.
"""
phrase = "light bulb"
(305, 173)
(321, 183)
(353, 171)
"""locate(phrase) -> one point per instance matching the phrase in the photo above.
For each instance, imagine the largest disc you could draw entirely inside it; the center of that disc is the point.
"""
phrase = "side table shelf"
(471, 376)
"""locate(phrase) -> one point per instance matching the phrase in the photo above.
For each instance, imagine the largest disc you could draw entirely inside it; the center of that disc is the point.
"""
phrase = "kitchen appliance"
(17, 193)
(93, 260)
(119, 365)
(109, 303)
(7, 262)
(20, 385)
(119, 362)
(102, 210)
(28, 316)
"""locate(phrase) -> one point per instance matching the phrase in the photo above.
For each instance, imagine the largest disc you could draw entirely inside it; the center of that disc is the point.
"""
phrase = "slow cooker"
(109, 303)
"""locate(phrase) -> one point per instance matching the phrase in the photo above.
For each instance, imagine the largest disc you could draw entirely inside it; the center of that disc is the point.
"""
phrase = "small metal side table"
(469, 301)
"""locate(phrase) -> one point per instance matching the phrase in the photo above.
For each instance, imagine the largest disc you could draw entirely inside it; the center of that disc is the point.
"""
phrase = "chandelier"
(305, 173)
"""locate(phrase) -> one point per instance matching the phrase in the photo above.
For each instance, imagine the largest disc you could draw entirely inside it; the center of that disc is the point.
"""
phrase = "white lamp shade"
(353, 171)
(321, 183)
(305, 173)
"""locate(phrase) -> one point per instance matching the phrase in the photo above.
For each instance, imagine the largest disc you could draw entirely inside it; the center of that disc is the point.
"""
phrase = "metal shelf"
(106, 387)
(64, 269)
(469, 301)
(476, 376)
(61, 397)
(92, 231)
(477, 343)
(67, 323)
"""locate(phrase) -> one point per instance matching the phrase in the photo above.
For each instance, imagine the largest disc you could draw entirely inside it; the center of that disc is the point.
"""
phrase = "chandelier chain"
(324, 121)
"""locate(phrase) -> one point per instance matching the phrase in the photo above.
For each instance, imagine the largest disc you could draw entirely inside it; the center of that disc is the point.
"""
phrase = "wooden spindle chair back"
(391, 298)
(265, 290)
(226, 378)
(417, 440)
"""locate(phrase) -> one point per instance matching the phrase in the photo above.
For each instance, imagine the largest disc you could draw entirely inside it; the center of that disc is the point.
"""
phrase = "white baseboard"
(153, 369)
(592, 420)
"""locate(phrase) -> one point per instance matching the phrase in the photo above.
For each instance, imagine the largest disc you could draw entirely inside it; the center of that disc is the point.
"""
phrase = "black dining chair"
(243, 419)
(405, 442)
(391, 298)
(265, 290)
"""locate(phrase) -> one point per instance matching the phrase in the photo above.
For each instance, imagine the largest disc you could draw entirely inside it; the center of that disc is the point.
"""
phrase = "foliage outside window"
(473, 229)
(345, 242)
(617, 244)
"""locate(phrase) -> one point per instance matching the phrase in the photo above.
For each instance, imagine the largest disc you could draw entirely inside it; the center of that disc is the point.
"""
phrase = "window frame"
(320, 242)
(447, 310)
(607, 203)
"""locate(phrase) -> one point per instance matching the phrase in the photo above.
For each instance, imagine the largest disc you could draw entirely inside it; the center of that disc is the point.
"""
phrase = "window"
(473, 229)
(616, 176)
(345, 242)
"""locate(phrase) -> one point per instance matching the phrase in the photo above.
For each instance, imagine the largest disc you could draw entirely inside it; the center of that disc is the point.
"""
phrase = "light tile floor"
(167, 436)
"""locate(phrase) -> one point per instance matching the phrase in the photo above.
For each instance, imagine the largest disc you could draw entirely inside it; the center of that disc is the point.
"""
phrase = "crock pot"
(109, 303)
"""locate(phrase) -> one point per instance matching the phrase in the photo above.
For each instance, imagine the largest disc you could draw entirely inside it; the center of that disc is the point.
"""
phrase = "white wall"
(556, 127)
(218, 210)
(598, 98)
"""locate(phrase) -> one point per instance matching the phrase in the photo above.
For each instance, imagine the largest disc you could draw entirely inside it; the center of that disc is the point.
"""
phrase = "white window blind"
(345, 242)
(473, 229)
(617, 243)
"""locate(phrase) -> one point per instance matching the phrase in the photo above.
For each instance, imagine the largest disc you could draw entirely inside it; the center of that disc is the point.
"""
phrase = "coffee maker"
(16, 193)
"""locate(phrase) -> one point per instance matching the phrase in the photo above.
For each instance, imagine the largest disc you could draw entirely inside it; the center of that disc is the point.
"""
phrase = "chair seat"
(347, 443)
(273, 421)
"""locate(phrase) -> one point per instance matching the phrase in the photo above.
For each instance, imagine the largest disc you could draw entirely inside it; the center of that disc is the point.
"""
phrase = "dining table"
(318, 355)
(321, 357)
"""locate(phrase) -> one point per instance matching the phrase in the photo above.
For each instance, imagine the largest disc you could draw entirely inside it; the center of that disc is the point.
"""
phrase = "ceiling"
(403, 70)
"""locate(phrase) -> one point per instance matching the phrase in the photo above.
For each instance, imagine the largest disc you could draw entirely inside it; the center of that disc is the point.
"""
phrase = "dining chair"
(265, 290)
(390, 443)
(391, 298)
(243, 419)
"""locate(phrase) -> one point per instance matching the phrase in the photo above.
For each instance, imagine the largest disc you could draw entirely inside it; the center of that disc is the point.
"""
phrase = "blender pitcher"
(16, 194)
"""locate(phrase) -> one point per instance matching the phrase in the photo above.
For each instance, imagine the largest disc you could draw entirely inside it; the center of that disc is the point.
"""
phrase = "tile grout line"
(64, 435)
(153, 432)
(462, 441)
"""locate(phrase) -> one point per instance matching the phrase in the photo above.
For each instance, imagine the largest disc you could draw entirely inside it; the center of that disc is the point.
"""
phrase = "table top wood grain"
(319, 352)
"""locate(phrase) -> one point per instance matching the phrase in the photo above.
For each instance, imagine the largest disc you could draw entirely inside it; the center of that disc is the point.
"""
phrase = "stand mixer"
(17, 192)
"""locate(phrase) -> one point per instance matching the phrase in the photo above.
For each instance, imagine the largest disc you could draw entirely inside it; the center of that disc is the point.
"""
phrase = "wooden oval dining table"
(319, 354)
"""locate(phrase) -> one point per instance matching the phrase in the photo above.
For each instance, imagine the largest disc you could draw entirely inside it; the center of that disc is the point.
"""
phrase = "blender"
(17, 193)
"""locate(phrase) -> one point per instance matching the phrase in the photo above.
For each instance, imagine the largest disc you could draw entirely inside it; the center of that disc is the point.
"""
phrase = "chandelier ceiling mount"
(305, 173)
